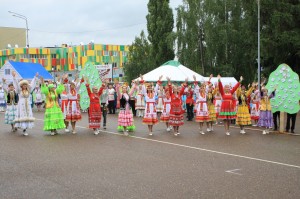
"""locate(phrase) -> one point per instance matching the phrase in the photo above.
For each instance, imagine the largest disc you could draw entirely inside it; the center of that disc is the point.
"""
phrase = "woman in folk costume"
(54, 118)
(165, 116)
(94, 110)
(73, 109)
(24, 118)
(255, 99)
(125, 118)
(11, 109)
(140, 101)
(243, 116)
(176, 112)
(159, 106)
(265, 114)
(38, 100)
(150, 117)
(2, 98)
(202, 114)
(227, 112)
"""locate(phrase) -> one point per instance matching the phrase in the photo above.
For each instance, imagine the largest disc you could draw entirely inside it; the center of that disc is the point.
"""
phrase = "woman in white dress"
(38, 101)
(140, 102)
(159, 106)
(24, 118)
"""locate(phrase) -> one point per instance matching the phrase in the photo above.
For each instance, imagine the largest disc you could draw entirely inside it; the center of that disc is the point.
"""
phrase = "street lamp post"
(24, 18)
(258, 43)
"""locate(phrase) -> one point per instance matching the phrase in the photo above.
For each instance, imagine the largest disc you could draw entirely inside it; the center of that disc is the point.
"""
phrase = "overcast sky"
(54, 22)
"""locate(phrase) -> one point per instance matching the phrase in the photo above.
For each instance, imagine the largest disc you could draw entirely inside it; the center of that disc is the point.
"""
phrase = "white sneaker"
(178, 133)
(52, 133)
(96, 132)
(227, 133)
(126, 133)
(74, 132)
(67, 130)
(242, 132)
(25, 134)
(208, 130)
(264, 132)
(168, 129)
(201, 132)
(150, 133)
(254, 125)
(175, 134)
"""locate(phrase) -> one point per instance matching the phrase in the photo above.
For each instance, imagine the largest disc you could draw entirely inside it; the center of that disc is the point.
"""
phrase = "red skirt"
(94, 116)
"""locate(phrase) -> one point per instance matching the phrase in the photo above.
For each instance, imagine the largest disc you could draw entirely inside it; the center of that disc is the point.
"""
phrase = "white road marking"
(200, 149)
(233, 171)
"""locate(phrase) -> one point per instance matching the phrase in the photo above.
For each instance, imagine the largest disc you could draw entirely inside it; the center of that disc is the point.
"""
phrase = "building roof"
(28, 70)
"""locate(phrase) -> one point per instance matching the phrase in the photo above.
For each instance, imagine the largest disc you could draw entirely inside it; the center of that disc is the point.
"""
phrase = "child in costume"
(11, 109)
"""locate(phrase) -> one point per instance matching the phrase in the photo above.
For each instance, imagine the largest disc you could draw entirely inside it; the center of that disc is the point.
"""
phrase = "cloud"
(53, 22)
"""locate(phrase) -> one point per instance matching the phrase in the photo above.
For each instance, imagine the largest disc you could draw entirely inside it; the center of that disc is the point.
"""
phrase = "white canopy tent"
(174, 70)
(225, 80)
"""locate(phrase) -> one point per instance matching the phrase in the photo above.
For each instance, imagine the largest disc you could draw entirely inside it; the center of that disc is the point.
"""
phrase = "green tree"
(160, 25)
(139, 60)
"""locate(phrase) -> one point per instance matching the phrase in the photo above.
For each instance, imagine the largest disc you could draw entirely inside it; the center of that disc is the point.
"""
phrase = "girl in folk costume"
(125, 118)
(140, 101)
(11, 109)
(94, 110)
(54, 118)
(24, 118)
(159, 106)
(243, 116)
(211, 107)
(265, 114)
(38, 101)
(255, 99)
(2, 99)
(190, 103)
(150, 117)
(202, 114)
(73, 109)
(227, 112)
(176, 112)
(165, 116)
(217, 101)
(64, 100)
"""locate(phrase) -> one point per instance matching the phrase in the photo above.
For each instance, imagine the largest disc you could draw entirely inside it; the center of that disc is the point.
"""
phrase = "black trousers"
(190, 111)
(289, 118)
(132, 105)
(111, 107)
(276, 115)
(104, 113)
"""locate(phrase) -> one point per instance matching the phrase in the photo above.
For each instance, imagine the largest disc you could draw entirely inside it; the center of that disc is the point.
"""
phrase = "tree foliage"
(227, 31)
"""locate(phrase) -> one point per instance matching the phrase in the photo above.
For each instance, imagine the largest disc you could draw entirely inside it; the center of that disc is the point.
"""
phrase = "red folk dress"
(95, 108)
(228, 107)
(176, 112)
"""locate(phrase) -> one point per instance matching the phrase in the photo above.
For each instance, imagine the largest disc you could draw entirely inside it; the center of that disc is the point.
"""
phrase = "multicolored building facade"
(68, 58)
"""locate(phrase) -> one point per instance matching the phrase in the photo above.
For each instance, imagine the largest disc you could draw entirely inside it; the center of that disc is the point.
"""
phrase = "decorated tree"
(89, 71)
(287, 95)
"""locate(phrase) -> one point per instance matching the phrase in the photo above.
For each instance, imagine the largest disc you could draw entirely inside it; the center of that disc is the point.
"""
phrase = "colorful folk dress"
(95, 108)
(73, 108)
(11, 109)
(265, 115)
(165, 116)
(211, 107)
(255, 105)
(227, 111)
(54, 118)
(159, 106)
(64, 102)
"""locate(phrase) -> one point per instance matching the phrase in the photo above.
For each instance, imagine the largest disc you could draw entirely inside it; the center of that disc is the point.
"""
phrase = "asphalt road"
(111, 165)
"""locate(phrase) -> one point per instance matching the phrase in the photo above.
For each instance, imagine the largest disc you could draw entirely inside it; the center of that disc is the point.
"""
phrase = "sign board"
(105, 71)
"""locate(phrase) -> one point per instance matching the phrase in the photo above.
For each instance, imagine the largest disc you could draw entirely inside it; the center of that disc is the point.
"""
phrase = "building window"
(7, 71)
(105, 53)
(115, 53)
(53, 56)
(124, 54)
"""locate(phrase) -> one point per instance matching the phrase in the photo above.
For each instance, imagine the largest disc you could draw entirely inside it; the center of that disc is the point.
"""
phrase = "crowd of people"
(167, 102)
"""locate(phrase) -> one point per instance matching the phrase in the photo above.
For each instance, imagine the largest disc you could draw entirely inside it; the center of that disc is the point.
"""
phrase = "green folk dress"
(54, 118)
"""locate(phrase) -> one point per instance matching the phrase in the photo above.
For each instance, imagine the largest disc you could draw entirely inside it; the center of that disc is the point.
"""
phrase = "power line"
(105, 29)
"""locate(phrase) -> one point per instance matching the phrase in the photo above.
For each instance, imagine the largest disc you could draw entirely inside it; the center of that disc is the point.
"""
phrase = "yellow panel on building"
(90, 53)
